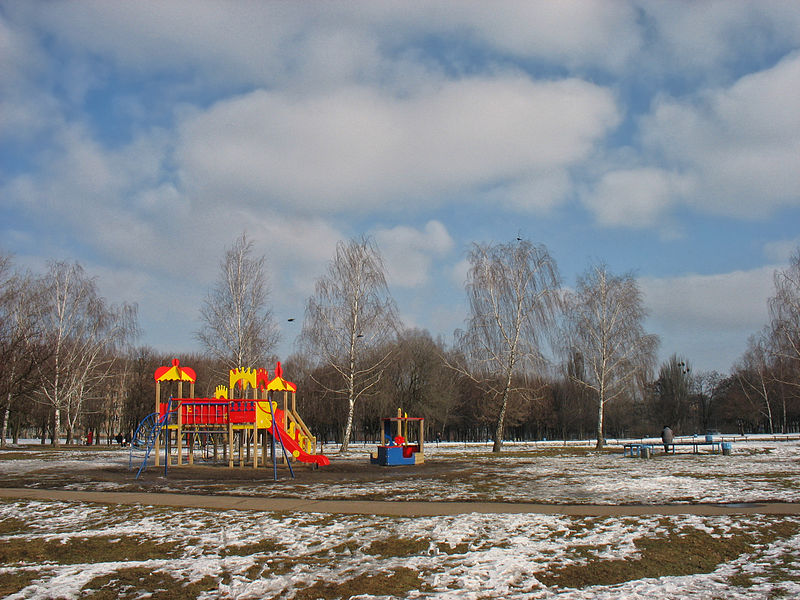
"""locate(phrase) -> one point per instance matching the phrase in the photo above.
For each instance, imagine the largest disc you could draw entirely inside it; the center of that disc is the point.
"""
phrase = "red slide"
(292, 447)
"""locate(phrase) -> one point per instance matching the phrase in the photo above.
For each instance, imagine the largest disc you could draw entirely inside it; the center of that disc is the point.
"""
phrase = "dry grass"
(138, 582)
(687, 552)
(398, 547)
(259, 547)
(13, 582)
(84, 550)
(396, 582)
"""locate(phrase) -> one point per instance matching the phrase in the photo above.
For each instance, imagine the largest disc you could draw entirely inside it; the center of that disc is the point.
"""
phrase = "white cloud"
(781, 251)
(635, 197)
(459, 273)
(576, 33)
(409, 253)
(740, 144)
(359, 148)
(708, 317)
(713, 302)
(706, 37)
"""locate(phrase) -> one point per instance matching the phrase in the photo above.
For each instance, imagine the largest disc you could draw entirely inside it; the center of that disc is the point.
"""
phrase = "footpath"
(394, 509)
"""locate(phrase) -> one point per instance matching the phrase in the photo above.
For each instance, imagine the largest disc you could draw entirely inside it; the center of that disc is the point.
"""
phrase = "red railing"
(210, 411)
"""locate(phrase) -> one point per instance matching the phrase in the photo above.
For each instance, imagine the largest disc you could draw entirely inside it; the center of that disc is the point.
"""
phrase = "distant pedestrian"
(667, 437)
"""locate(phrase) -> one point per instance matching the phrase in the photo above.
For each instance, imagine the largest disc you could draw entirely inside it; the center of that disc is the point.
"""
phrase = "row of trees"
(59, 342)
(533, 360)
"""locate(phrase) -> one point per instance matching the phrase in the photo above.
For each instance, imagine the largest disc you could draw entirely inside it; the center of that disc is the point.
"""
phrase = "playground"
(233, 497)
(296, 549)
(244, 415)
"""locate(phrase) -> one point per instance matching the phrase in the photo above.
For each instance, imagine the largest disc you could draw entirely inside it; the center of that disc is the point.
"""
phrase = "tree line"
(533, 361)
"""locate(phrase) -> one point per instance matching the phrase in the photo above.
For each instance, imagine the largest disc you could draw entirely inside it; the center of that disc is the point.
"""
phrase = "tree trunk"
(766, 403)
(56, 426)
(348, 428)
(501, 418)
(4, 428)
(600, 435)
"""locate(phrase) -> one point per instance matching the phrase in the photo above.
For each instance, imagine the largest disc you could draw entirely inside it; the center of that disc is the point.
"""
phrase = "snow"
(467, 556)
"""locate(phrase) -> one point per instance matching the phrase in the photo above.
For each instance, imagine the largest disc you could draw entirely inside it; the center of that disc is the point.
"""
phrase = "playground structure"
(263, 415)
(398, 450)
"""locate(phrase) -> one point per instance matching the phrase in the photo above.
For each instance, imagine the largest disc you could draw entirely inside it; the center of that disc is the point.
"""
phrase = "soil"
(207, 478)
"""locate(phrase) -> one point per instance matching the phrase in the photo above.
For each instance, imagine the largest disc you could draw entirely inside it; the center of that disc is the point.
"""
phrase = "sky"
(661, 138)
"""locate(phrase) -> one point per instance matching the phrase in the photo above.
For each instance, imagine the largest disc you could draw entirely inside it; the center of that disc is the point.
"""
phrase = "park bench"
(695, 444)
(637, 449)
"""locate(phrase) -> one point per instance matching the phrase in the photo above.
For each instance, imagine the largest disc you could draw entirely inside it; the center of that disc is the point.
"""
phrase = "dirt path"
(397, 509)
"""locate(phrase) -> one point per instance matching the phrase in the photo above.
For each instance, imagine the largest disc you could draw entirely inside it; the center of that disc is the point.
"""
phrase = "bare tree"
(784, 309)
(83, 334)
(513, 292)
(605, 316)
(20, 331)
(349, 321)
(238, 326)
(709, 384)
(419, 381)
(673, 389)
(755, 376)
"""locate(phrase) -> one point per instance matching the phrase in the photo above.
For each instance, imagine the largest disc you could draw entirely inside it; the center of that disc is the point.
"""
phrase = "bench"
(636, 449)
(716, 447)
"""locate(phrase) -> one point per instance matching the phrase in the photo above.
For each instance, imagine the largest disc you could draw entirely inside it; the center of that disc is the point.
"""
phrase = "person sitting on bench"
(667, 437)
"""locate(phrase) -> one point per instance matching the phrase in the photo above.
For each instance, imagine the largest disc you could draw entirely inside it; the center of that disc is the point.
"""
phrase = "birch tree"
(238, 327)
(514, 301)
(784, 309)
(83, 334)
(349, 321)
(755, 377)
(605, 324)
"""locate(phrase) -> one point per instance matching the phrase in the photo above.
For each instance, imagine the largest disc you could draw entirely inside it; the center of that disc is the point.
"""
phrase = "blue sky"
(663, 138)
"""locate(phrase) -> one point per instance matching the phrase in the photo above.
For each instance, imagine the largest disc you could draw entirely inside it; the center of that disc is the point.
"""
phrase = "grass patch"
(260, 547)
(398, 547)
(11, 455)
(350, 547)
(396, 582)
(138, 582)
(688, 552)
(11, 583)
(549, 452)
(460, 548)
(13, 526)
(84, 550)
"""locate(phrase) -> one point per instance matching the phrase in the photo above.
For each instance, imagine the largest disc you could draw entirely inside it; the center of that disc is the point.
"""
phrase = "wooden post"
(255, 443)
(191, 447)
(247, 441)
(229, 445)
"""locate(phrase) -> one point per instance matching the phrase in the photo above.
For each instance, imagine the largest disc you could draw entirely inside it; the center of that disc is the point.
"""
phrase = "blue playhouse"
(398, 449)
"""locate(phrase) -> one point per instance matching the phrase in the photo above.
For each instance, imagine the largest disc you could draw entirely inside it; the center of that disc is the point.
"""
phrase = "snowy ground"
(70, 550)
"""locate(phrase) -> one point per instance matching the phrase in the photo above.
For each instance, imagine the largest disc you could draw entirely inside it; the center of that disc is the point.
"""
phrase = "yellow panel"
(263, 416)
(246, 376)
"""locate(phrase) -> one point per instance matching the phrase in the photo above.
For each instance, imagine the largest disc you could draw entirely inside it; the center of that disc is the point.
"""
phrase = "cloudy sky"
(663, 138)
